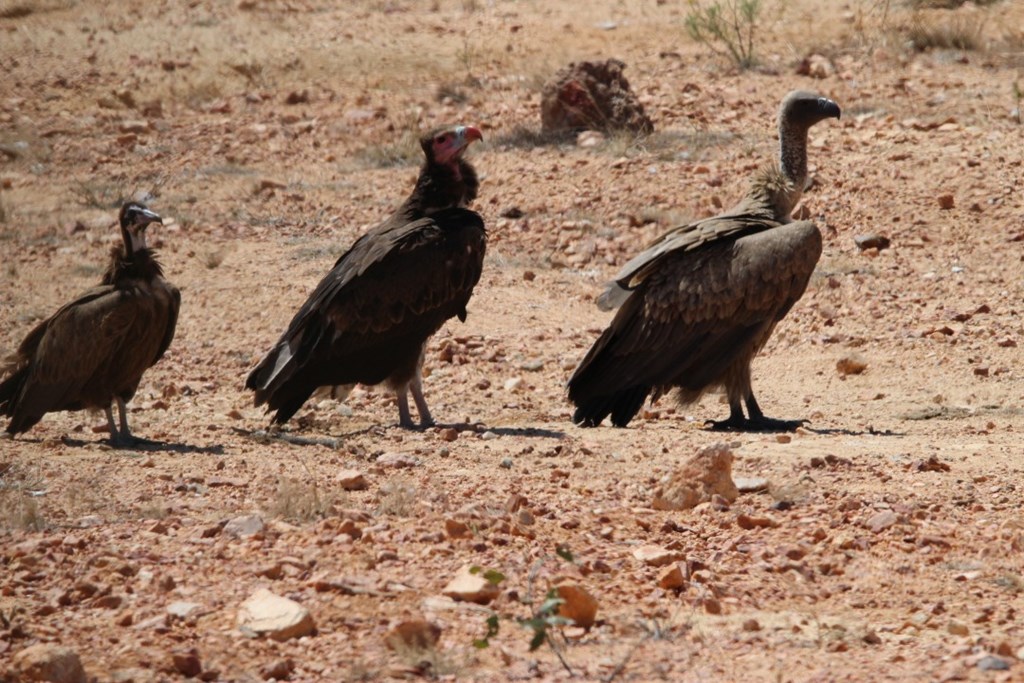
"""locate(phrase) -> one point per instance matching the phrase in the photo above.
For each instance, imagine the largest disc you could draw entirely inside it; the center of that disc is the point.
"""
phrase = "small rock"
(279, 669)
(187, 663)
(946, 202)
(712, 605)
(671, 577)
(415, 634)
(275, 617)
(352, 480)
(244, 526)
(456, 529)
(134, 126)
(512, 212)
(450, 434)
(297, 97)
(957, 628)
(751, 625)
(871, 638)
(49, 662)
(656, 556)
(865, 242)
(851, 365)
(707, 473)
(469, 587)
(579, 605)
(398, 460)
(747, 522)
(750, 484)
(882, 521)
(590, 138)
(183, 610)
(993, 663)
(513, 383)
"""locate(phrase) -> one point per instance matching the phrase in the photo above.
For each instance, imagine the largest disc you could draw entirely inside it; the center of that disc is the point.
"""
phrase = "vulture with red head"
(370, 317)
(698, 304)
(94, 350)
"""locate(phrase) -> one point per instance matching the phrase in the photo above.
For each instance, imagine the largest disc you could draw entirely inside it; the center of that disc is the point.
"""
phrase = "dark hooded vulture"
(369, 319)
(698, 303)
(93, 351)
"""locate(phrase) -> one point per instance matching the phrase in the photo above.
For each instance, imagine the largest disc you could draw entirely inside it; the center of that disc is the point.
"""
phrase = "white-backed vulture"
(698, 303)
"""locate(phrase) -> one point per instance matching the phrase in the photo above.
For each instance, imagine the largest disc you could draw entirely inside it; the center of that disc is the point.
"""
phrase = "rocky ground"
(883, 541)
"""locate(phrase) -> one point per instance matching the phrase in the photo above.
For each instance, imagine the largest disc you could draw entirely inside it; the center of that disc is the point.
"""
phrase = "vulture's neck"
(439, 187)
(793, 162)
(126, 264)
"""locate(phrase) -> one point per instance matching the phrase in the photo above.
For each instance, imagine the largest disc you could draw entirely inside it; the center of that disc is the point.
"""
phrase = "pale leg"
(421, 403)
(404, 418)
(123, 410)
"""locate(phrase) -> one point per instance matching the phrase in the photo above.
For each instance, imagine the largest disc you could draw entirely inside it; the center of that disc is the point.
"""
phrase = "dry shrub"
(398, 497)
(944, 30)
(301, 501)
(18, 507)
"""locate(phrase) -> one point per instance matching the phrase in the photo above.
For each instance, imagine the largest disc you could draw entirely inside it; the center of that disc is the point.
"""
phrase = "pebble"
(267, 614)
(513, 383)
(878, 242)
(187, 663)
(671, 577)
(279, 669)
(352, 480)
(882, 521)
(751, 625)
(579, 605)
(398, 460)
(656, 556)
(506, 463)
(750, 484)
(993, 663)
(957, 628)
(49, 662)
(707, 473)
(244, 526)
(456, 529)
(469, 587)
(183, 610)
(414, 634)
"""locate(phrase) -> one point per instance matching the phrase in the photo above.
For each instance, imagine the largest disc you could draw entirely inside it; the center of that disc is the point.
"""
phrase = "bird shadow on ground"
(826, 431)
(504, 431)
(147, 445)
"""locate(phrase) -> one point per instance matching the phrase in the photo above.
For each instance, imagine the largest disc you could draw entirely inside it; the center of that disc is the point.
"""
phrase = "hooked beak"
(151, 217)
(829, 109)
(468, 133)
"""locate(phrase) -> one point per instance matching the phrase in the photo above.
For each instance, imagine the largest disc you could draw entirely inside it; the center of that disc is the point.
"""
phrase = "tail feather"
(10, 390)
(622, 406)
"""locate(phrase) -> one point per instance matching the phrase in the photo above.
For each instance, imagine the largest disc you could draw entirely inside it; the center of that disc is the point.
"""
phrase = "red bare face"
(448, 145)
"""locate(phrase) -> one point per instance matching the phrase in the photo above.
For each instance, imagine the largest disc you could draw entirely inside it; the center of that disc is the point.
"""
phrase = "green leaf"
(493, 576)
(475, 569)
(481, 644)
(563, 552)
(538, 639)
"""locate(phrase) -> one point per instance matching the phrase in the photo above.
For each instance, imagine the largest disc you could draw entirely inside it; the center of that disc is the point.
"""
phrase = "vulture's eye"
(441, 139)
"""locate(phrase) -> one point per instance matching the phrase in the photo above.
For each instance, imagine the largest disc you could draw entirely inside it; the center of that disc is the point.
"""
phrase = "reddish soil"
(890, 542)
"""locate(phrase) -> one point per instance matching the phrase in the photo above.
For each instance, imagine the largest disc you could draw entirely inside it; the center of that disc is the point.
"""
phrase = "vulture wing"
(743, 219)
(61, 356)
(692, 314)
(393, 288)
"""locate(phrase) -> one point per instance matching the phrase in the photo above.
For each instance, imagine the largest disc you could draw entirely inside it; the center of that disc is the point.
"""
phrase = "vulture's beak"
(829, 109)
(468, 134)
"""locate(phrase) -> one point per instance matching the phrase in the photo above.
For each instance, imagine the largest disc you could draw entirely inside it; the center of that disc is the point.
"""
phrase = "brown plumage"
(369, 319)
(94, 350)
(698, 304)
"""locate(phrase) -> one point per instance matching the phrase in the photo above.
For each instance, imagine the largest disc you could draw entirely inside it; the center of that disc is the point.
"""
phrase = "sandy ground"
(890, 541)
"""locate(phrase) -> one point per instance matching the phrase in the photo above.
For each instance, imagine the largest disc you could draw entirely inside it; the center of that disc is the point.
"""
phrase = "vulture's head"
(445, 146)
(802, 109)
(135, 218)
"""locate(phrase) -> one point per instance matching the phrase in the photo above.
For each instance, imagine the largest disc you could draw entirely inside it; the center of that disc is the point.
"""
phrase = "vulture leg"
(122, 409)
(115, 435)
(421, 403)
(736, 422)
(759, 423)
(404, 418)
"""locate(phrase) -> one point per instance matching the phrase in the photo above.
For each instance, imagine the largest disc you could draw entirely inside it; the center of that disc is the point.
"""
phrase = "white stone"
(244, 526)
(275, 617)
(469, 587)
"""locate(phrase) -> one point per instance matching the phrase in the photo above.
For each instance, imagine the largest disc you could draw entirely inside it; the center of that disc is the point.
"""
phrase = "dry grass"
(944, 30)
(18, 9)
(398, 497)
(301, 501)
(18, 489)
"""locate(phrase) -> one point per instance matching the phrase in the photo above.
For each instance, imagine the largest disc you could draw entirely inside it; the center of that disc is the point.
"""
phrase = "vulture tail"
(622, 406)
(279, 380)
